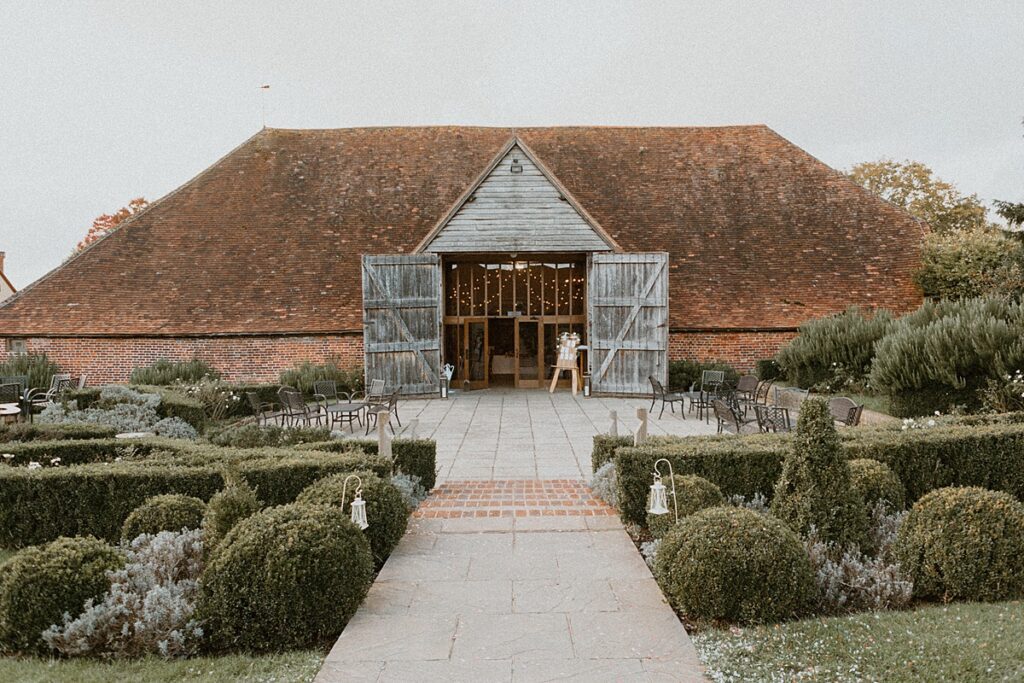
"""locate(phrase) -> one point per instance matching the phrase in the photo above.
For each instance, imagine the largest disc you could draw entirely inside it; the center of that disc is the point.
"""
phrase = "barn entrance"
(503, 316)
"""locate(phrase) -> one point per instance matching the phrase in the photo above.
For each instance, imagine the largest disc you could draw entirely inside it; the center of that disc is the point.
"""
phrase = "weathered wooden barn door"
(628, 297)
(402, 321)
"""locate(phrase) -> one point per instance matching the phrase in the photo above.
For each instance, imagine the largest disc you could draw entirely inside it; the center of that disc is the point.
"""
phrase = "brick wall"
(740, 349)
(257, 359)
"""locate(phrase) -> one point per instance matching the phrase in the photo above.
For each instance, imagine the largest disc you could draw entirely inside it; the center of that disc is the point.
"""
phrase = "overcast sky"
(102, 102)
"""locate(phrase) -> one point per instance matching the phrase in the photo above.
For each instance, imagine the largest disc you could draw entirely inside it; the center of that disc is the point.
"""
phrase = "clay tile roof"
(268, 240)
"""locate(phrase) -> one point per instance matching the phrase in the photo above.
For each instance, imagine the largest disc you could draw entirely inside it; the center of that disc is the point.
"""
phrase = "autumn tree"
(108, 222)
(913, 186)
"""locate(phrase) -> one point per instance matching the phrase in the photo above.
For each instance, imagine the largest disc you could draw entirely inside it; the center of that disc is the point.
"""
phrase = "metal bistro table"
(345, 412)
(9, 412)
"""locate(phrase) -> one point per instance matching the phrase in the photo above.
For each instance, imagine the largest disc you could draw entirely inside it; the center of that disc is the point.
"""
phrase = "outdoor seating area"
(330, 407)
(20, 401)
(775, 408)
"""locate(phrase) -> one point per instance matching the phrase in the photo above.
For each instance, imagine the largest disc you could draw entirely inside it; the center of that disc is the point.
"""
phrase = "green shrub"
(682, 374)
(39, 584)
(38, 431)
(845, 340)
(285, 578)
(875, 481)
(692, 495)
(303, 374)
(733, 564)
(83, 398)
(814, 489)
(95, 499)
(83, 451)
(943, 354)
(604, 449)
(968, 263)
(229, 506)
(37, 367)
(165, 372)
(964, 544)
(257, 436)
(768, 370)
(417, 457)
(386, 511)
(173, 403)
(167, 512)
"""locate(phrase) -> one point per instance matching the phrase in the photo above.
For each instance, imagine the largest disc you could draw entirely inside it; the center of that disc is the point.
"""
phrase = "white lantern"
(659, 500)
(359, 511)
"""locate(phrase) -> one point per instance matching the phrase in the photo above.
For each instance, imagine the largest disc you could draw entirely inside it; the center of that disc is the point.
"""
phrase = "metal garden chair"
(772, 419)
(729, 415)
(265, 411)
(845, 411)
(295, 409)
(40, 398)
(667, 396)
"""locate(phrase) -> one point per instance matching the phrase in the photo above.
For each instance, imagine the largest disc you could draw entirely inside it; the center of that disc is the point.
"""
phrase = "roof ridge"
(514, 129)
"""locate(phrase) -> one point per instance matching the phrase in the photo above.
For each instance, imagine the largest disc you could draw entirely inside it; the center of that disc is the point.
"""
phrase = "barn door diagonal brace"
(406, 333)
(616, 345)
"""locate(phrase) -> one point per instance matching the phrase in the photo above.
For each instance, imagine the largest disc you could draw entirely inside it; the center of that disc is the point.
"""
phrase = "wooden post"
(383, 440)
(640, 435)
(614, 417)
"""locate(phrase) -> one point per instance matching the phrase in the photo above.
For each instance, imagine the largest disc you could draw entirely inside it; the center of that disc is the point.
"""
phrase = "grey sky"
(103, 102)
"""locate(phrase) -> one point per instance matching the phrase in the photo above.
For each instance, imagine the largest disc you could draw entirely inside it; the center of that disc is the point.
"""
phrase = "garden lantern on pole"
(658, 504)
(358, 507)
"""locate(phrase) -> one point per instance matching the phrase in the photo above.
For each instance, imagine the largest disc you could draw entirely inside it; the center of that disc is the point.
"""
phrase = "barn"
(405, 249)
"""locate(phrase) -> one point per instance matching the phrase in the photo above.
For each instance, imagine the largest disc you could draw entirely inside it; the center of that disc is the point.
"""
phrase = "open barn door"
(628, 296)
(402, 321)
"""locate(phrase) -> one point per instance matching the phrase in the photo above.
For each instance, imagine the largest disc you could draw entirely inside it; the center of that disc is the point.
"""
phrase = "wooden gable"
(517, 207)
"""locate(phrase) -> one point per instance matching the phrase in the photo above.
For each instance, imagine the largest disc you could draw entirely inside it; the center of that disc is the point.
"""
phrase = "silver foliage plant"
(605, 484)
(175, 428)
(758, 503)
(149, 608)
(413, 492)
(649, 551)
(124, 409)
(851, 581)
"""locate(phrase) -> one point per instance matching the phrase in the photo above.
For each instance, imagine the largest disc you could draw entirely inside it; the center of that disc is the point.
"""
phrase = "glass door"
(528, 371)
(476, 353)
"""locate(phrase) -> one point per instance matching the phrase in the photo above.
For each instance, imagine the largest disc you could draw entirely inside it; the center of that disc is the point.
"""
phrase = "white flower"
(904, 428)
(8, 456)
(937, 413)
(931, 423)
(54, 461)
(34, 465)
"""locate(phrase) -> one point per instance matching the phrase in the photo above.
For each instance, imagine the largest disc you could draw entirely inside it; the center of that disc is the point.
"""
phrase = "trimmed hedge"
(285, 578)
(175, 404)
(964, 544)
(38, 585)
(95, 499)
(166, 512)
(386, 511)
(417, 457)
(604, 449)
(226, 509)
(875, 481)
(250, 435)
(39, 431)
(987, 455)
(81, 452)
(735, 564)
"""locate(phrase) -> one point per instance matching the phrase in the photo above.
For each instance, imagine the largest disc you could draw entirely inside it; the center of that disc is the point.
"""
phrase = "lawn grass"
(959, 642)
(278, 668)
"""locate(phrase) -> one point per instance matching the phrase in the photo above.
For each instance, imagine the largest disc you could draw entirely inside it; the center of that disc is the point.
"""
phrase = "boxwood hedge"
(37, 506)
(924, 459)
(38, 431)
(417, 457)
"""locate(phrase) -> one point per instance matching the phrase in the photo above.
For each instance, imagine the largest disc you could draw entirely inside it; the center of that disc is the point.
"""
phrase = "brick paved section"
(513, 498)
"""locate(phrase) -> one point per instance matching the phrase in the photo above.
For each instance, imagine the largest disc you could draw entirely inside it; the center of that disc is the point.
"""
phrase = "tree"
(967, 263)
(1013, 212)
(107, 223)
(913, 186)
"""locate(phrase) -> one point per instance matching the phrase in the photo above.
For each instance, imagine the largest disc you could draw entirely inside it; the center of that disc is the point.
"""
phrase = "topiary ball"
(227, 508)
(287, 577)
(693, 494)
(875, 481)
(169, 512)
(386, 511)
(735, 564)
(39, 584)
(964, 544)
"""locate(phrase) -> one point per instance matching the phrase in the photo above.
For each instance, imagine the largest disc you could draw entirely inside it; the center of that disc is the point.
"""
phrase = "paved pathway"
(512, 570)
(508, 434)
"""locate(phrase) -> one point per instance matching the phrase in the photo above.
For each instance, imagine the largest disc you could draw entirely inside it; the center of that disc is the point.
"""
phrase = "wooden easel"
(566, 361)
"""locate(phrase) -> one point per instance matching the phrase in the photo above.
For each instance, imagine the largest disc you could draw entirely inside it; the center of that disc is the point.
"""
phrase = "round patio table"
(345, 411)
(9, 412)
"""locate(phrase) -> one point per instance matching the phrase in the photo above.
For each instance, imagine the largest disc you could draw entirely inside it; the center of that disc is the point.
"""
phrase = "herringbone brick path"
(512, 498)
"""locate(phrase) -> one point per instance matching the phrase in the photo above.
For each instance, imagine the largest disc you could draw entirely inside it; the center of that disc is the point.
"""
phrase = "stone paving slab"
(534, 598)
(529, 434)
